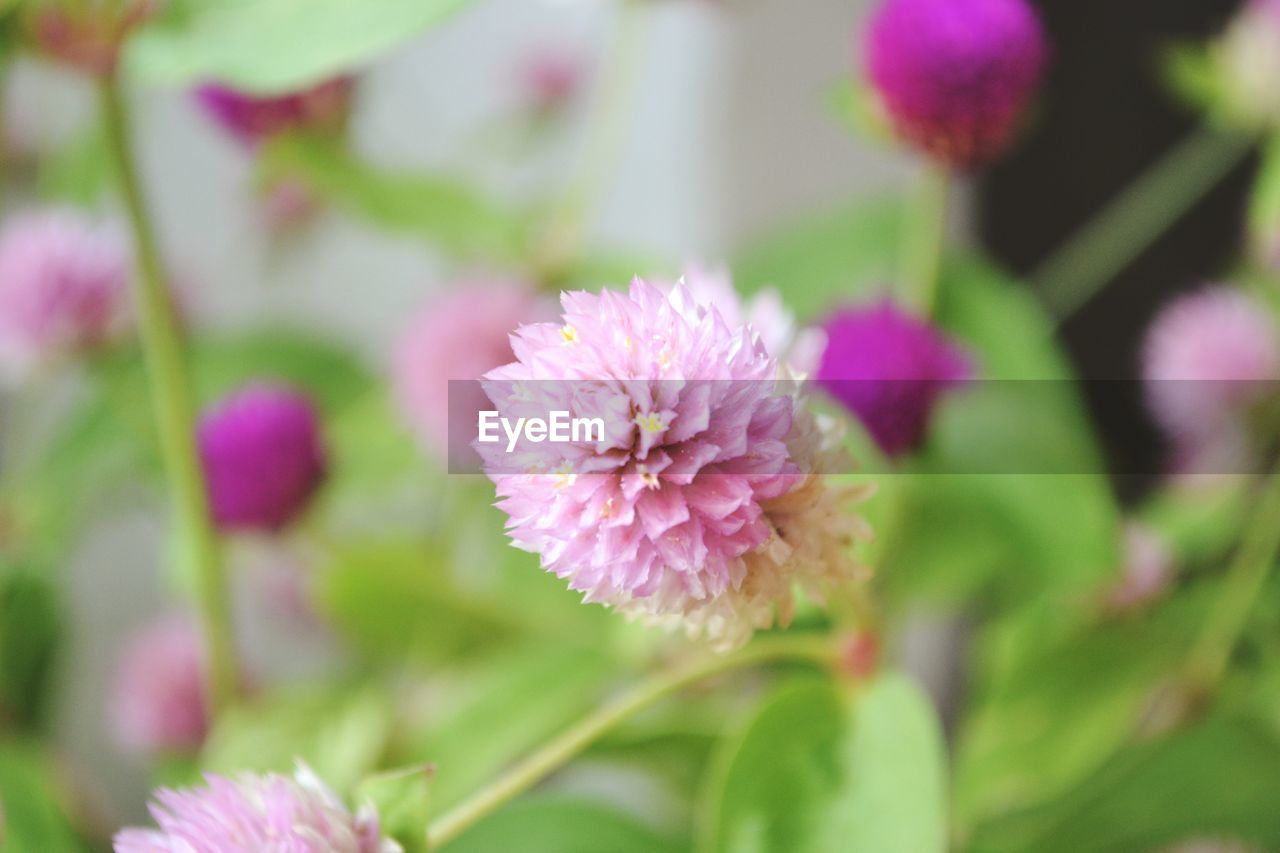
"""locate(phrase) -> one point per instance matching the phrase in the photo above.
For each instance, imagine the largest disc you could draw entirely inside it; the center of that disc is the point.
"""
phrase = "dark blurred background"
(1106, 116)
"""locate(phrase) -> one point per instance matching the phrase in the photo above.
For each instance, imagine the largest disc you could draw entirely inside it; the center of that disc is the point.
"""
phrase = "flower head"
(890, 368)
(253, 118)
(88, 35)
(701, 502)
(159, 701)
(458, 334)
(1209, 358)
(299, 814)
(954, 76)
(1247, 58)
(263, 457)
(63, 289)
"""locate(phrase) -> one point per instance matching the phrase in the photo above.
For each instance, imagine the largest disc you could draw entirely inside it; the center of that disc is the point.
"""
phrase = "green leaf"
(31, 818)
(490, 715)
(30, 619)
(341, 733)
(275, 45)
(79, 171)
(559, 824)
(1264, 204)
(401, 799)
(1219, 779)
(440, 209)
(809, 775)
(1194, 76)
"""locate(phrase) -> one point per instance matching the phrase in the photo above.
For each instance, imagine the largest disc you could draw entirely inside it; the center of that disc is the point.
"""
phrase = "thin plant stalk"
(559, 751)
(174, 411)
(924, 237)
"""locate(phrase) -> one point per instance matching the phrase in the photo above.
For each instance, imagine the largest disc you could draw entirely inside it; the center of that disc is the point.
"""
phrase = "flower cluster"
(63, 289)
(272, 812)
(704, 502)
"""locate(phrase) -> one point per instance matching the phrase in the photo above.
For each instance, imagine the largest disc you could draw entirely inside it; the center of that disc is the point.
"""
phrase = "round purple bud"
(889, 368)
(954, 76)
(262, 455)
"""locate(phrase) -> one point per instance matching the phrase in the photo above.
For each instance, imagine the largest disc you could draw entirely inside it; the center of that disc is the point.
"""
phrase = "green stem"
(1148, 207)
(1246, 577)
(925, 232)
(570, 743)
(173, 411)
(606, 130)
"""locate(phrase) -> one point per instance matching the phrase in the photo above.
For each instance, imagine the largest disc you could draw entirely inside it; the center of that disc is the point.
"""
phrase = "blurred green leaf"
(1264, 203)
(275, 45)
(397, 600)
(857, 106)
(809, 775)
(1219, 779)
(402, 801)
(560, 824)
(1057, 692)
(825, 260)
(30, 620)
(78, 171)
(1194, 76)
(332, 375)
(484, 717)
(32, 819)
(440, 209)
(340, 732)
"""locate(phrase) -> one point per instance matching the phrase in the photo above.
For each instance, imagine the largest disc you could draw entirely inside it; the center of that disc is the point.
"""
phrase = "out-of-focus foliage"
(562, 824)
(34, 816)
(30, 631)
(255, 44)
(813, 771)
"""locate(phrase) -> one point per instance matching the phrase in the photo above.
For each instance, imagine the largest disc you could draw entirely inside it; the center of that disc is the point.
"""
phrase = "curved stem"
(173, 410)
(1144, 210)
(925, 232)
(571, 742)
(1246, 577)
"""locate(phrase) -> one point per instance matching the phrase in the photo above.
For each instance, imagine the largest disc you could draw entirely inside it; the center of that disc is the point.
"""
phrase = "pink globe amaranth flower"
(159, 699)
(459, 334)
(253, 118)
(88, 34)
(954, 76)
(703, 502)
(263, 457)
(890, 369)
(298, 814)
(550, 78)
(764, 313)
(1209, 358)
(63, 289)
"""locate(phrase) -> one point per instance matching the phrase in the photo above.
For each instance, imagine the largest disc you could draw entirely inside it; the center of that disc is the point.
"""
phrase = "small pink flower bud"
(159, 701)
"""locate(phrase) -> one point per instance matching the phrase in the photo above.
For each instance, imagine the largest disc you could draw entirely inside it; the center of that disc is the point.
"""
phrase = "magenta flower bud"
(63, 289)
(954, 76)
(299, 814)
(890, 368)
(1209, 358)
(88, 35)
(159, 699)
(263, 457)
(254, 118)
(460, 333)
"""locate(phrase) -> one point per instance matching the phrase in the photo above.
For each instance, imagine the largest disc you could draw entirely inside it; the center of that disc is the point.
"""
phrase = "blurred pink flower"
(551, 79)
(63, 289)
(298, 814)
(954, 76)
(890, 369)
(1147, 569)
(1209, 357)
(88, 35)
(253, 118)
(263, 456)
(159, 701)
(703, 502)
(459, 334)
